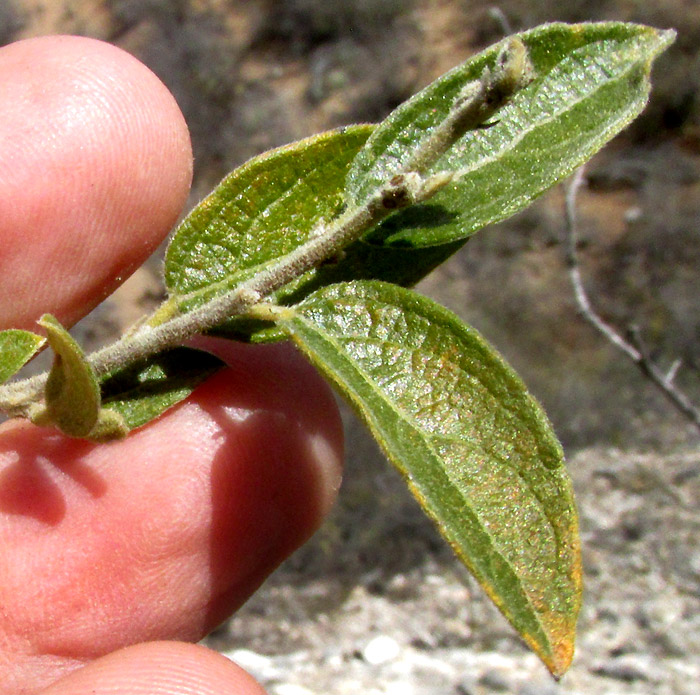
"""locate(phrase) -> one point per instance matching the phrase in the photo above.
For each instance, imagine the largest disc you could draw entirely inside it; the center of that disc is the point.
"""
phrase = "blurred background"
(253, 74)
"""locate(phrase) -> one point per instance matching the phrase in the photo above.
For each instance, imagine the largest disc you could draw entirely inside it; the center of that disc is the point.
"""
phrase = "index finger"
(95, 166)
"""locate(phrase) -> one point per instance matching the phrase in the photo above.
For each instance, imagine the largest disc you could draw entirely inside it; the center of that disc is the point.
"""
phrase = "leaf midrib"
(512, 143)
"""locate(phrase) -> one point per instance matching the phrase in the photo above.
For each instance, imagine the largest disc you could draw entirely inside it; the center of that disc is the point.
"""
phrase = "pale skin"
(114, 558)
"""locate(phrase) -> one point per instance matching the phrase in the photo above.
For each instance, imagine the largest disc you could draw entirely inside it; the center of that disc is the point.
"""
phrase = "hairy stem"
(403, 190)
(478, 101)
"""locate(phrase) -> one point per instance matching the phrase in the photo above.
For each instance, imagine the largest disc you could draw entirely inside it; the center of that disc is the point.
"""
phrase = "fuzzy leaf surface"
(141, 393)
(592, 80)
(16, 349)
(475, 448)
(263, 210)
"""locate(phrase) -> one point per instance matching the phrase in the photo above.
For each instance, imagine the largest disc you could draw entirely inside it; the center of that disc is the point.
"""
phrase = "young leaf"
(16, 349)
(141, 393)
(72, 393)
(262, 210)
(475, 448)
(592, 80)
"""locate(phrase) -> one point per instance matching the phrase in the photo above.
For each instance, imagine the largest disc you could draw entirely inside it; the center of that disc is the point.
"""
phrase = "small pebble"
(380, 650)
(626, 668)
(466, 686)
(494, 679)
(633, 214)
(251, 661)
(290, 689)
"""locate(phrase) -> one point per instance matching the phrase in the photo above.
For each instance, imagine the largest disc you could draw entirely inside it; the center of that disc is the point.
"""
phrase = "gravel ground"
(430, 631)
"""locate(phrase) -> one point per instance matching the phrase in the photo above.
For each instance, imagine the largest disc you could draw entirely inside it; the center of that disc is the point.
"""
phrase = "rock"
(260, 666)
(381, 649)
(496, 680)
(627, 668)
(249, 659)
(466, 686)
(289, 689)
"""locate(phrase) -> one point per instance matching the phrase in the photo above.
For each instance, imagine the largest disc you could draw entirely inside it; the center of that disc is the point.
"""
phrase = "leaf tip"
(110, 426)
(561, 658)
(664, 38)
(558, 654)
(48, 321)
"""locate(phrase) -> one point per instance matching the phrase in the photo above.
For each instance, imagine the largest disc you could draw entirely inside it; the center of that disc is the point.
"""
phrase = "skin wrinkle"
(164, 668)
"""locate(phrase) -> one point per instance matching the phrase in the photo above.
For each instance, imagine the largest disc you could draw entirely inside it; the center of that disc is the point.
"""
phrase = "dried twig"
(632, 346)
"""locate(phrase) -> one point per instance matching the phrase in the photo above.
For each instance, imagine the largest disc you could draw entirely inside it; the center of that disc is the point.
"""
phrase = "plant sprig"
(318, 241)
(168, 329)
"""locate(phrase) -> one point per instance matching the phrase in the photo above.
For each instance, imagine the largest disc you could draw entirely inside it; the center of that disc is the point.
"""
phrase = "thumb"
(159, 668)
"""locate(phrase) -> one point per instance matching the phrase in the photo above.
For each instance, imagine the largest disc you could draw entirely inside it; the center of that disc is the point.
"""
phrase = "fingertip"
(159, 668)
(96, 165)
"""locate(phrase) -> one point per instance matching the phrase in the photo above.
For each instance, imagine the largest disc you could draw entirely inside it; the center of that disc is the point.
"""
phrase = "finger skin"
(163, 534)
(160, 668)
(95, 167)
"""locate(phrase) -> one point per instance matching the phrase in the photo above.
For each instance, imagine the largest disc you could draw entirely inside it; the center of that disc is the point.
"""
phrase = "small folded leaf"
(263, 210)
(16, 349)
(592, 80)
(141, 393)
(475, 448)
(72, 393)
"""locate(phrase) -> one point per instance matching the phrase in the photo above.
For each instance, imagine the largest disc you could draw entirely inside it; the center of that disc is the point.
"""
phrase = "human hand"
(150, 541)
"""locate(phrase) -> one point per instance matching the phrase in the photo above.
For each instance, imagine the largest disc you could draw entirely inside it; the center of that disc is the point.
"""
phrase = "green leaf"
(142, 392)
(592, 80)
(263, 210)
(72, 393)
(16, 349)
(475, 448)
